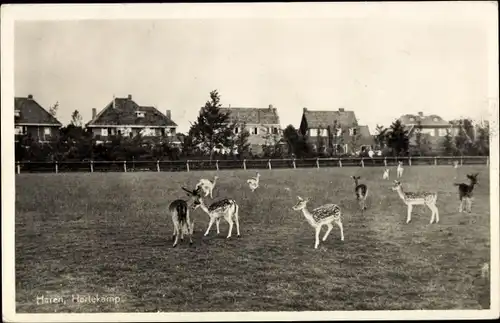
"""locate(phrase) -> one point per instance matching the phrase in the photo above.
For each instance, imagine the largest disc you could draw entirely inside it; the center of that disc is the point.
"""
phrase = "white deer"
(418, 198)
(207, 186)
(400, 170)
(225, 208)
(386, 174)
(253, 182)
(320, 216)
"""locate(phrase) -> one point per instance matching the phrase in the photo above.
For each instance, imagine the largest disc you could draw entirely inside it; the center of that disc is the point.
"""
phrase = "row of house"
(122, 115)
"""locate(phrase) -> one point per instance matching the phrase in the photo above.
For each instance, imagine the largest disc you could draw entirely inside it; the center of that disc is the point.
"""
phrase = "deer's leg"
(408, 218)
(339, 224)
(433, 213)
(461, 206)
(316, 243)
(217, 222)
(469, 204)
(230, 222)
(176, 233)
(212, 220)
(330, 227)
(436, 214)
(237, 220)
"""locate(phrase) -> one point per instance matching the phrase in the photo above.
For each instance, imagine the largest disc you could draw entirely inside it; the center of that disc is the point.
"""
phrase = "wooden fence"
(194, 165)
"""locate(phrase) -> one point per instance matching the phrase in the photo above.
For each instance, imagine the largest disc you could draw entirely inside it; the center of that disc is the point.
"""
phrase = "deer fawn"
(400, 169)
(253, 182)
(226, 208)
(418, 198)
(179, 212)
(361, 192)
(320, 216)
(465, 192)
(207, 186)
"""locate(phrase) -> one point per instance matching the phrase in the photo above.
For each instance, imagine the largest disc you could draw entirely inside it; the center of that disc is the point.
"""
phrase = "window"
(104, 132)
(352, 131)
(19, 130)
(339, 132)
(412, 119)
(442, 132)
(255, 131)
(17, 113)
(435, 119)
(322, 132)
(236, 130)
(313, 132)
(46, 131)
(139, 114)
(275, 130)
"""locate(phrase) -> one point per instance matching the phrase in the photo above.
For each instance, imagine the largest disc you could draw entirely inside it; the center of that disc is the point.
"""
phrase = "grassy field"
(110, 234)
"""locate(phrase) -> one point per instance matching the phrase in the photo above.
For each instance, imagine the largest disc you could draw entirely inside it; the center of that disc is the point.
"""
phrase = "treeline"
(212, 136)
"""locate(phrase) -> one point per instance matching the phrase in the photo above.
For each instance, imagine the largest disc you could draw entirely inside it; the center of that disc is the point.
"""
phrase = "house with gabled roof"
(335, 129)
(123, 116)
(30, 118)
(263, 124)
(432, 128)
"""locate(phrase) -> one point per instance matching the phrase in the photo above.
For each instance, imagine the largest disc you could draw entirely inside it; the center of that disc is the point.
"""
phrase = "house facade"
(123, 116)
(263, 124)
(432, 128)
(338, 130)
(31, 119)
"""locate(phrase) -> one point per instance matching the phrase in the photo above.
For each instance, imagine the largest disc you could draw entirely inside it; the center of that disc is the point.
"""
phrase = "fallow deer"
(418, 198)
(465, 192)
(361, 191)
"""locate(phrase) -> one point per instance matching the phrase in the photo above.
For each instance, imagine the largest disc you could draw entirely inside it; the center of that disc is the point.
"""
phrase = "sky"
(378, 65)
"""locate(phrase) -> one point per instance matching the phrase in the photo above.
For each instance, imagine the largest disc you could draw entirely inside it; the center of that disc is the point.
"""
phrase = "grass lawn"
(110, 234)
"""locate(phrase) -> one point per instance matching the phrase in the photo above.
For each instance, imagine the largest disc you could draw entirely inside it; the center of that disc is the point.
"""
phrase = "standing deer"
(400, 170)
(179, 211)
(361, 192)
(320, 216)
(418, 198)
(253, 182)
(386, 174)
(225, 208)
(207, 186)
(465, 192)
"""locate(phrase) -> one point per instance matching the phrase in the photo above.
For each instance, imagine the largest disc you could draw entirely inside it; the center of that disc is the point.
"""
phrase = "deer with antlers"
(418, 198)
(207, 186)
(179, 211)
(465, 192)
(225, 208)
(361, 191)
(320, 216)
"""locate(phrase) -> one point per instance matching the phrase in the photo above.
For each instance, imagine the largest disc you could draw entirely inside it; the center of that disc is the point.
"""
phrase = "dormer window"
(139, 114)
(412, 119)
(17, 113)
(435, 119)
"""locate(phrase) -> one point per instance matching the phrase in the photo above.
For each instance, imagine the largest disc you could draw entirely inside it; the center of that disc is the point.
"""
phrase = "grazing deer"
(465, 192)
(226, 208)
(253, 182)
(386, 174)
(320, 216)
(361, 192)
(207, 186)
(179, 212)
(400, 170)
(418, 198)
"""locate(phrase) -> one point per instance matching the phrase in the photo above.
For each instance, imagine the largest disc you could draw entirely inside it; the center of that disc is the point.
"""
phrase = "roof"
(30, 112)
(252, 115)
(123, 112)
(323, 119)
(364, 136)
(430, 120)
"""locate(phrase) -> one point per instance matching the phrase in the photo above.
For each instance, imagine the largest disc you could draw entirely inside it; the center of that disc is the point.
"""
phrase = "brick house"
(30, 118)
(123, 116)
(263, 124)
(433, 128)
(335, 129)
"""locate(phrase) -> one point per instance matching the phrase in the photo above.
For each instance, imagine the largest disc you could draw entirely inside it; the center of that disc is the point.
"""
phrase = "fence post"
(362, 162)
(187, 165)
(91, 166)
(217, 165)
(269, 164)
(340, 162)
(385, 161)
(57, 168)
(158, 166)
(409, 161)
(461, 160)
(317, 162)
(244, 164)
(18, 166)
(125, 166)
(487, 161)
(294, 166)
(435, 161)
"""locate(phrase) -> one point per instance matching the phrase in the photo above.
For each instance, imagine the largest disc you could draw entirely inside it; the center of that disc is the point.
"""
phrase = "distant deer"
(225, 208)
(455, 164)
(465, 192)
(418, 198)
(207, 186)
(400, 170)
(253, 182)
(320, 216)
(179, 211)
(361, 192)
(386, 174)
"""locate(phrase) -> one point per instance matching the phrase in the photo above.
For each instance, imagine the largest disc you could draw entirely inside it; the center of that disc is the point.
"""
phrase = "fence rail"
(194, 165)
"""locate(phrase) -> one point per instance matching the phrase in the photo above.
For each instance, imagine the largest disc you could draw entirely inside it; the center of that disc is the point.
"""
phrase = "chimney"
(305, 109)
(341, 110)
(229, 106)
(129, 97)
(168, 114)
(93, 113)
(270, 107)
(421, 114)
(30, 96)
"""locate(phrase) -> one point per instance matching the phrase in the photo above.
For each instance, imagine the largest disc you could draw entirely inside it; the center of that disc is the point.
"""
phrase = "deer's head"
(302, 203)
(396, 186)
(473, 178)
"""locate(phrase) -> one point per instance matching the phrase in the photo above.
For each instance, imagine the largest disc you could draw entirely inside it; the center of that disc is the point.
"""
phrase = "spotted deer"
(361, 191)
(418, 198)
(225, 208)
(465, 192)
(320, 216)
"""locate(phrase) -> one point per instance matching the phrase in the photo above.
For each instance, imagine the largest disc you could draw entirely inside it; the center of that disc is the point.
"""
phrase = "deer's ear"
(300, 198)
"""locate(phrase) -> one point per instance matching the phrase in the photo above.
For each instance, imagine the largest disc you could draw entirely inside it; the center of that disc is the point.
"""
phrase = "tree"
(397, 139)
(448, 145)
(298, 145)
(482, 142)
(354, 139)
(381, 134)
(213, 127)
(76, 119)
(417, 147)
(240, 141)
(53, 109)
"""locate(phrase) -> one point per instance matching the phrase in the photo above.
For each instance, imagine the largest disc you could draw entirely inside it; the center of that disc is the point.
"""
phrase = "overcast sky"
(379, 66)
